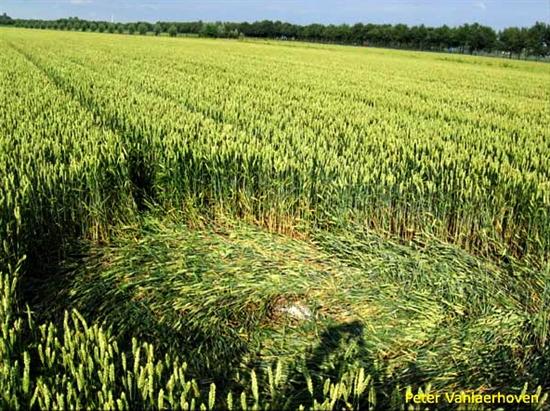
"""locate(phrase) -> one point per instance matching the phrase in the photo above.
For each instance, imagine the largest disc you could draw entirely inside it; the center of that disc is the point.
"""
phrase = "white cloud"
(80, 1)
(481, 5)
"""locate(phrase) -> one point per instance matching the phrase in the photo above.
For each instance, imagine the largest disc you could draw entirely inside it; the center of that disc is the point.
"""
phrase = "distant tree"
(481, 38)
(192, 27)
(75, 23)
(288, 30)
(142, 29)
(463, 37)
(222, 30)
(470, 38)
(336, 34)
(157, 29)
(538, 39)
(357, 31)
(400, 36)
(267, 28)
(453, 39)
(418, 35)
(232, 34)
(5, 19)
(438, 38)
(210, 30)
(312, 32)
(513, 40)
(172, 31)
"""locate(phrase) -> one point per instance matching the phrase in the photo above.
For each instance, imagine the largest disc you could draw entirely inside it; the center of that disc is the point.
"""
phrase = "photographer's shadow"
(341, 348)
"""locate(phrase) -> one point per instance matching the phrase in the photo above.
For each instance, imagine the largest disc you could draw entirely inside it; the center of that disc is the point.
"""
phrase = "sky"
(495, 13)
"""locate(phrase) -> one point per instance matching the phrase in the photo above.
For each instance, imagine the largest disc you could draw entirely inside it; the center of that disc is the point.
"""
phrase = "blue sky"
(495, 13)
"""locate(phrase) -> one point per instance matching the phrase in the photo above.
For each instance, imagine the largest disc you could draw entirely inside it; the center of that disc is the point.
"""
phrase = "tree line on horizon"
(467, 38)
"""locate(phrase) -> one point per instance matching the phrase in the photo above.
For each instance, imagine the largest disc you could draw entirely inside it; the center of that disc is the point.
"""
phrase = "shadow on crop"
(341, 348)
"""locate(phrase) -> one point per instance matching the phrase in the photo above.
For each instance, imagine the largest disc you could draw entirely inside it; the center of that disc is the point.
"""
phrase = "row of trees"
(468, 38)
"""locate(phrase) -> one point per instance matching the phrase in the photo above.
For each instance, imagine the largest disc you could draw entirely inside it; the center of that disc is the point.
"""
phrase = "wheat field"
(191, 223)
